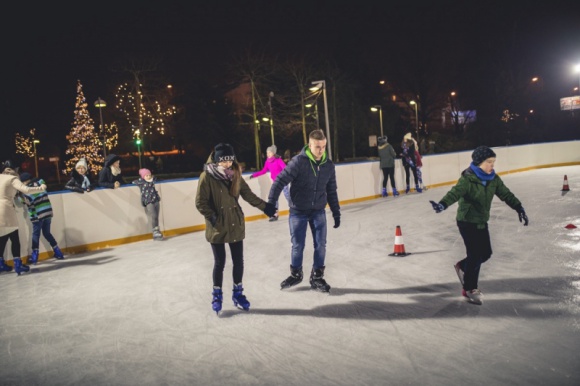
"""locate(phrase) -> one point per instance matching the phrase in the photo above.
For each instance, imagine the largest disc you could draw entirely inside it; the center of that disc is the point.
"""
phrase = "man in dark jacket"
(110, 175)
(312, 180)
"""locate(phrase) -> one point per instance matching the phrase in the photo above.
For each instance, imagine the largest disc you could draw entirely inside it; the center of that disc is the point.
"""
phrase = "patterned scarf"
(219, 172)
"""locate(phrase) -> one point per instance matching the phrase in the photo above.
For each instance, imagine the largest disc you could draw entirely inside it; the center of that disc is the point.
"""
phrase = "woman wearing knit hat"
(274, 164)
(80, 181)
(408, 148)
(475, 190)
(219, 187)
(150, 200)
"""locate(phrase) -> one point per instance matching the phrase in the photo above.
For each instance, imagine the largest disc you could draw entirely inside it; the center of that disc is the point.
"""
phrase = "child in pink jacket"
(274, 164)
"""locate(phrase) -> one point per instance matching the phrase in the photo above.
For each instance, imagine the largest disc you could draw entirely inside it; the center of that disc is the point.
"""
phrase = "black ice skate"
(295, 277)
(317, 281)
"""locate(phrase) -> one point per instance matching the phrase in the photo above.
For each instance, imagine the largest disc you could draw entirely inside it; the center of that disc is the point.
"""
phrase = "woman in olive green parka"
(475, 191)
(218, 190)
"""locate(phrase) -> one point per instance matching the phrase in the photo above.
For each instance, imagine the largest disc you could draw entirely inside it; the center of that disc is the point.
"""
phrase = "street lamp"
(99, 103)
(380, 110)
(416, 119)
(318, 84)
(270, 96)
(34, 142)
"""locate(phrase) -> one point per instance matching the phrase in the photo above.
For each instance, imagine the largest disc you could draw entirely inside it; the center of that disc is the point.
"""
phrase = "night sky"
(48, 47)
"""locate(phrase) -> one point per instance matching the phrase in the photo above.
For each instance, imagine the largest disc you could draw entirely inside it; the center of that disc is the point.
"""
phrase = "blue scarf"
(483, 176)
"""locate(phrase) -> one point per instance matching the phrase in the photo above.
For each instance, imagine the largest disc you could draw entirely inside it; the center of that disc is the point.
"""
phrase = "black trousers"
(219, 256)
(389, 173)
(407, 174)
(478, 249)
(13, 236)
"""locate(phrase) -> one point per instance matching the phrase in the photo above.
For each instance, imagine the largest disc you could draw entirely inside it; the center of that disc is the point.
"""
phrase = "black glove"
(522, 215)
(251, 176)
(213, 220)
(336, 222)
(270, 209)
(438, 207)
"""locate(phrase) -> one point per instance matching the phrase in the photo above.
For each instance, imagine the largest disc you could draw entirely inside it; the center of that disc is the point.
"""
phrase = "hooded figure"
(110, 176)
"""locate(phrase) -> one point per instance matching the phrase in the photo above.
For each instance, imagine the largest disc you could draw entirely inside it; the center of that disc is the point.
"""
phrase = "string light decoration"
(24, 145)
(83, 140)
(143, 114)
(112, 136)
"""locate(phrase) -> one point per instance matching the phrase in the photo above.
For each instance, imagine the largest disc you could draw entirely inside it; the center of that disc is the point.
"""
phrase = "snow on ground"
(140, 314)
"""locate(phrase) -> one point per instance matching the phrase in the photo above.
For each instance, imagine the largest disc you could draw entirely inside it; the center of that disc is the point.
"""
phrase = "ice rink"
(140, 314)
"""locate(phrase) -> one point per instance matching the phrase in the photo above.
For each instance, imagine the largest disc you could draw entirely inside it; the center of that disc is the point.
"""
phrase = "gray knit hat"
(481, 154)
(273, 149)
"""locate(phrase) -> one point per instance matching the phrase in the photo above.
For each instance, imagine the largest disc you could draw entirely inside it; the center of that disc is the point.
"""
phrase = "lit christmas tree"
(83, 141)
(24, 145)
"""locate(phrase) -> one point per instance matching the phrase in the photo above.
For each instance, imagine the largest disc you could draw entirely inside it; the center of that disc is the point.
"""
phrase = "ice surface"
(140, 314)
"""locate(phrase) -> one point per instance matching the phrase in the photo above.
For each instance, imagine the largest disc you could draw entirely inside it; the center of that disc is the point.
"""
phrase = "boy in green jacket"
(475, 190)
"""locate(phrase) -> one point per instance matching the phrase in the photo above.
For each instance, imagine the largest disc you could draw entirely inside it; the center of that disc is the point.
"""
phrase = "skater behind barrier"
(312, 177)
(474, 191)
(80, 180)
(219, 188)
(387, 157)
(40, 215)
(10, 185)
(274, 164)
(150, 200)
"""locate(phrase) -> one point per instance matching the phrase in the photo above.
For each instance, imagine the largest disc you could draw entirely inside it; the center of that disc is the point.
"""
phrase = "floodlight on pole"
(378, 108)
(417, 117)
(318, 84)
(34, 142)
(99, 103)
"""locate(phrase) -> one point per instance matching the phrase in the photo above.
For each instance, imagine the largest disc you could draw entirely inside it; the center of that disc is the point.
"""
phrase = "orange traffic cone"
(399, 245)
(565, 188)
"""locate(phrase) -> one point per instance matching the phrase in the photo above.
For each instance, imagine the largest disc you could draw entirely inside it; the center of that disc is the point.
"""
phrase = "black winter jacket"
(312, 184)
(76, 182)
(106, 177)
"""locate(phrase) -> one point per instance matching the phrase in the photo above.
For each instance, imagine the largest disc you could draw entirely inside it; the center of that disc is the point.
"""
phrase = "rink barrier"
(107, 218)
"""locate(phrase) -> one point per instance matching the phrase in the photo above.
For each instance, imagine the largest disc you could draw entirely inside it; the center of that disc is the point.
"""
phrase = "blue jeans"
(44, 226)
(286, 192)
(298, 224)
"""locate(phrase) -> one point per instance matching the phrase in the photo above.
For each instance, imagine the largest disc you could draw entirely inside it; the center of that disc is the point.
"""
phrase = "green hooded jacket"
(475, 198)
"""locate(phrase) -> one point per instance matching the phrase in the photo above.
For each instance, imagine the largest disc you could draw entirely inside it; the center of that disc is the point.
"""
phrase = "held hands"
(522, 215)
(270, 210)
(437, 206)
(336, 222)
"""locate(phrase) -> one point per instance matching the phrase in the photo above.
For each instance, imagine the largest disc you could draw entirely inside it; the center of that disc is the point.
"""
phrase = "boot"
(418, 189)
(239, 299)
(385, 194)
(395, 192)
(57, 253)
(19, 267)
(408, 189)
(216, 303)
(4, 267)
(317, 281)
(34, 257)
(295, 277)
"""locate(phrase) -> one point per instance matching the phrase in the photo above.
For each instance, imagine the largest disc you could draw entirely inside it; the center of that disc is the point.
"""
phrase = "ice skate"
(384, 192)
(157, 235)
(58, 253)
(4, 267)
(239, 298)
(19, 267)
(418, 189)
(33, 257)
(395, 192)
(217, 300)
(295, 278)
(474, 296)
(460, 273)
(317, 281)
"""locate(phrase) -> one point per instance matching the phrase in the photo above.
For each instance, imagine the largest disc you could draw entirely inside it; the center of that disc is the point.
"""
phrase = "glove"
(438, 207)
(522, 215)
(270, 209)
(213, 220)
(336, 222)
(251, 176)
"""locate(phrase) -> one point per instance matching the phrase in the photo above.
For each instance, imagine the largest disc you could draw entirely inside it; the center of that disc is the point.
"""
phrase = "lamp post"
(34, 142)
(378, 108)
(416, 119)
(270, 96)
(318, 84)
(99, 103)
